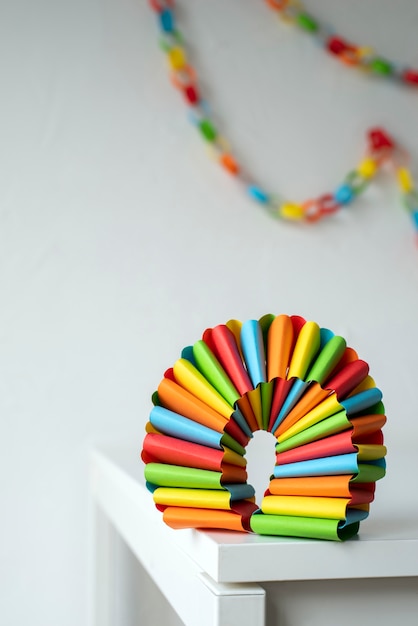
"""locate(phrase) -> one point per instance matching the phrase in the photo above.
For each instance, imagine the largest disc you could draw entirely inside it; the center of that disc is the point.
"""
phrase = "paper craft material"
(287, 376)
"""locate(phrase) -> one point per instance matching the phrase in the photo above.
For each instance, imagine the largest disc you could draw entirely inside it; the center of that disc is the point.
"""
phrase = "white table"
(213, 578)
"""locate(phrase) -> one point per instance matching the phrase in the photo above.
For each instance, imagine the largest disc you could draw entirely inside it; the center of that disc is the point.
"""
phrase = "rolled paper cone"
(327, 359)
(308, 527)
(237, 518)
(254, 398)
(242, 422)
(325, 335)
(186, 517)
(266, 390)
(187, 353)
(341, 443)
(326, 466)
(325, 486)
(279, 345)
(240, 492)
(233, 458)
(361, 401)
(230, 442)
(213, 371)
(307, 346)
(174, 397)
(175, 425)
(357, 513)
(169, 374)
(378, 408)
(265, 323)
(196, 498)
(235, 431)
(332, 466)
(163, 475)
(252, 345)
(192, 380)
(375, 438)
(349, 356)
(295, 393)
(310, 399)
(347, 378)
(235, 328)
(281, 389)
(164, 449)
(370, 472)
(370, 452)
(229, 356)
(326, 408)
(247, 411)
(367, 424)
(233, 474)
(305, 506)
(207, 338)
(367, 383)
(298, 323)
(359, 506)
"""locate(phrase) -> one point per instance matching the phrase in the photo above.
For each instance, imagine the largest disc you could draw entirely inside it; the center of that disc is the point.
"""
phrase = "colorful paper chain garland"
(289, 377)
(361, 57)
(381, 148)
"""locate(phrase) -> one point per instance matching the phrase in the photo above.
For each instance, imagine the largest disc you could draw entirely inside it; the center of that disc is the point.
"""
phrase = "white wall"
(121, 242)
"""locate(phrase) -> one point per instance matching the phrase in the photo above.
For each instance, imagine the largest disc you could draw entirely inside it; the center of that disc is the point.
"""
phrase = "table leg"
(235, 603)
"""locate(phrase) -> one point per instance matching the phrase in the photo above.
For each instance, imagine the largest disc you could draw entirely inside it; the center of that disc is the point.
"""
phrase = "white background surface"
(121, 242)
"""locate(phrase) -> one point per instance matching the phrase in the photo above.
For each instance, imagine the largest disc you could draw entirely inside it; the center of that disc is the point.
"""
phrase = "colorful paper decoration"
(381, 149)
(287, 376)
(349, 54)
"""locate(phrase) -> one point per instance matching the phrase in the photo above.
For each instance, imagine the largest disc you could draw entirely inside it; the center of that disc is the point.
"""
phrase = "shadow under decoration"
(284, 375)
